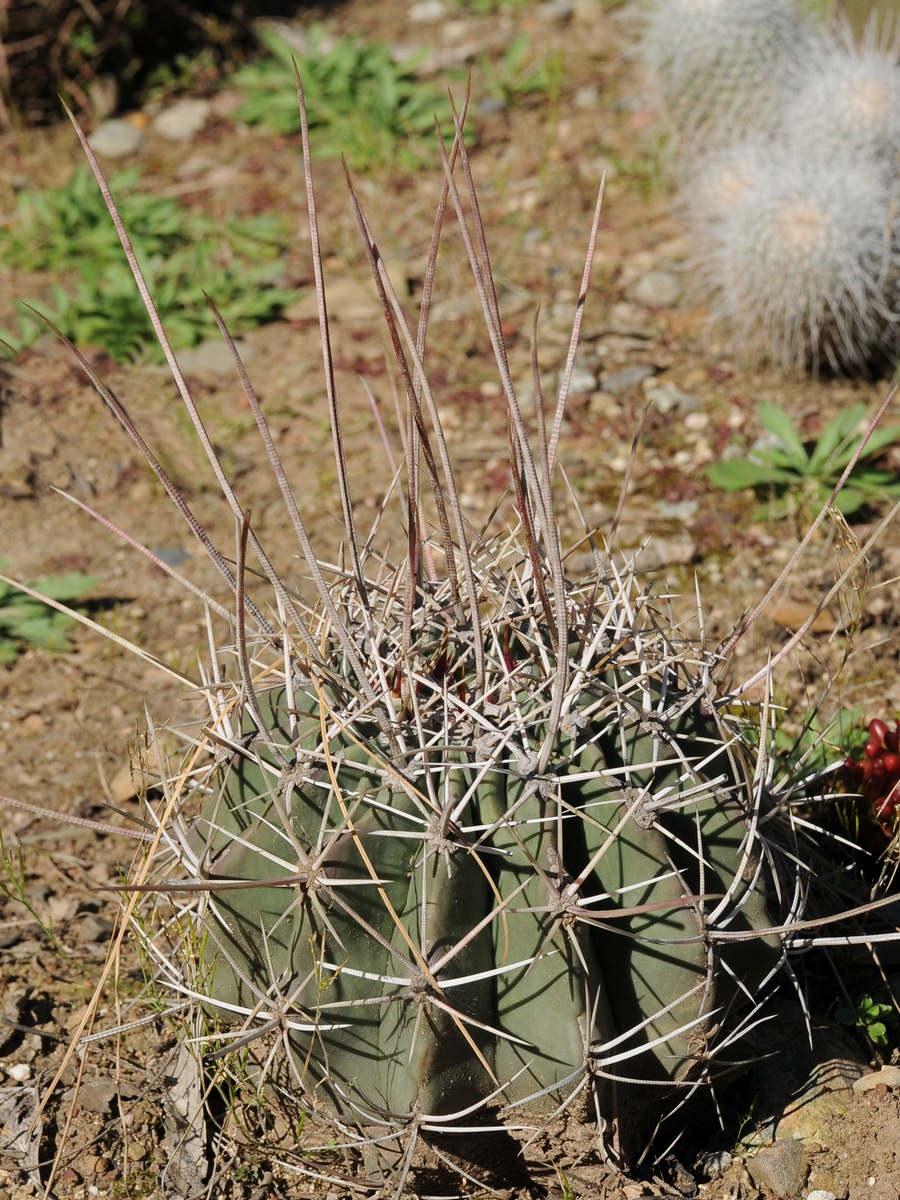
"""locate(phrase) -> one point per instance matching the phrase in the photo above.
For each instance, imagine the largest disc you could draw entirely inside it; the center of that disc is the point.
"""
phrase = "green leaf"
(838, 431)
(739, 473)
(775, 420)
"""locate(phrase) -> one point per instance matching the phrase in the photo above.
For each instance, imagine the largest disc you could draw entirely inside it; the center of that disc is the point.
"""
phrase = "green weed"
(25, 621)
(872, 1017)
(13, 885)
(183, 254)
(797, 477)
(360, 102)
(522, 72)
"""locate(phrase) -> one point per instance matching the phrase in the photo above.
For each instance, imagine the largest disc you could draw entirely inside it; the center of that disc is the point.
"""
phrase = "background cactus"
(791, 199)
(463, 843)
(848, 102)
(795, 254)
(719, 70)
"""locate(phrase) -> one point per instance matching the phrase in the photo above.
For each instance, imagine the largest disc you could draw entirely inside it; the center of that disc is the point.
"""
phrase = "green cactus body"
(479, 955)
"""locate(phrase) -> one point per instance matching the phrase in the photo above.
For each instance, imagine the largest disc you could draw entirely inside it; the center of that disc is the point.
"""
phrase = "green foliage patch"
(360, 103)
(872, 1017)
(25, 621)
(183, 254)
(796, 477)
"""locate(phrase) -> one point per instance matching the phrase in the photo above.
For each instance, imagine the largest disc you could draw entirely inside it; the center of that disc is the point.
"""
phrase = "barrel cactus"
(719, 70)
(464, 845)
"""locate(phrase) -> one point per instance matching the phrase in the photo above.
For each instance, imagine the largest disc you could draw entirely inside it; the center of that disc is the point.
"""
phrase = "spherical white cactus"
(849, 99)
(795, 254)
(719, 69)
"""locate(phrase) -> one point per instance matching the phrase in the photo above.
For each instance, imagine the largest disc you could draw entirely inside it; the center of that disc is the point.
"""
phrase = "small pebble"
(820, 1194)
(182, 120)
(426, 12)
(19, 1072)
(555, 11)
(587, 97)
(624, 381)
(667, 396)
(781, 1167)
(214, 358)
(889, 1076)
(661, 289)
(582, 381)
(714, 1162)
(116, 139)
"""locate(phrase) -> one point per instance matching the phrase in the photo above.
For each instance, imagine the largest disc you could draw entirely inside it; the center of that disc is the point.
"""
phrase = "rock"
(624, 381)
(782, 1168)
(714, 1162)
(667, 396)
(820, 1194)
(889, 1076)
(90, 928)
(660, 289)
(555, 11)
(182, 120)
(587, 98)
(116, 139)
(664, 552)
(426, 12)
(211, 357)
(801, 1091)
(603, 406)
(582, 382)
(680, 510)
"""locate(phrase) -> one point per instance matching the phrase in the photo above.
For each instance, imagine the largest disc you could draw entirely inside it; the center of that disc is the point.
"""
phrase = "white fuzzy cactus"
(848, 101)
(719, 69)
(795, 255)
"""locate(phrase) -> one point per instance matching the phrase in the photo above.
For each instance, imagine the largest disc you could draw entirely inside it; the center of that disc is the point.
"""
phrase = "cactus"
(463, 844)
(719, 70)
(848, 102)
(795, 254)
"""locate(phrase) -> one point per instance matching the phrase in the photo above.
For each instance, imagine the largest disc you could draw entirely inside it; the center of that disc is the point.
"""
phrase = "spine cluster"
(788, 137)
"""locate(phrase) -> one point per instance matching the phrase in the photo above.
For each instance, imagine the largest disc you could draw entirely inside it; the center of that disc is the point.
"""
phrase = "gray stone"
(661, 289)
(624, 381)
(682, 510)
(116, 139)
(667, 396)
(820, 1194)
(714, 1162)
(782, 1168)
(427, 11)
(555, 11)
(582, 381)
(889, 1076)
(182, 120)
